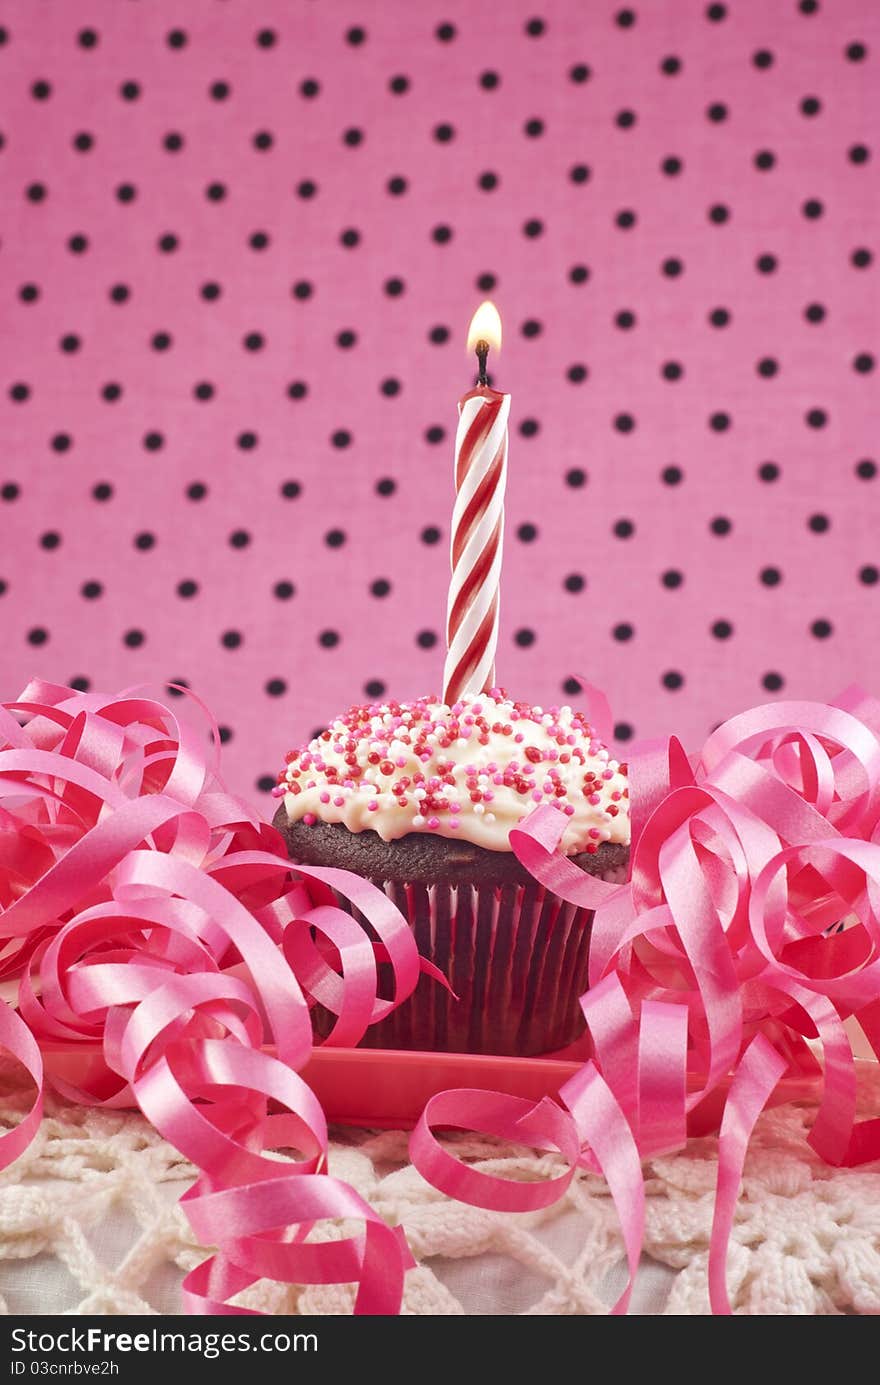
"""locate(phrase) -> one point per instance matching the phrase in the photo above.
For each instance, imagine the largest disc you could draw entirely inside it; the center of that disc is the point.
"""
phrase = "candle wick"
(482, 350)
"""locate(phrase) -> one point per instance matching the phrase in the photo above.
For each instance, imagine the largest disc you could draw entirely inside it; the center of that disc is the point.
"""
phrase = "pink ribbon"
(144, 907)
(712, 967)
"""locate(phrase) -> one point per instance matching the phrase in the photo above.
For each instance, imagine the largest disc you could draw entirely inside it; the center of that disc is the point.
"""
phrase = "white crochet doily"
(89, 1224)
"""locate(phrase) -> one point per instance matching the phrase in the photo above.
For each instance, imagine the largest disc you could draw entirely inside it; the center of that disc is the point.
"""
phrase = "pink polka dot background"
(240, 247)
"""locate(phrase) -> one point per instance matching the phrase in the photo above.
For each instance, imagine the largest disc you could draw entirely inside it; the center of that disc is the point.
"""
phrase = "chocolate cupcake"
(420, 798)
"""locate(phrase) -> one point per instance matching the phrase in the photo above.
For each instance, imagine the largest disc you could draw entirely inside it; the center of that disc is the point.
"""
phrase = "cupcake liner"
(515, 956)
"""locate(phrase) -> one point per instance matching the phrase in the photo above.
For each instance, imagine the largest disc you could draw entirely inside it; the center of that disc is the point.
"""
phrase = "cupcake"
(420, 798)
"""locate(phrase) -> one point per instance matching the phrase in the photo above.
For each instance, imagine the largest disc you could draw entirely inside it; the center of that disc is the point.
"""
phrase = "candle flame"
(485, 326)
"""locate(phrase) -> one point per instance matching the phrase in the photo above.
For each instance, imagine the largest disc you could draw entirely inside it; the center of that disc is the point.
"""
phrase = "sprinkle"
(372, 805)
(339, 802)
(325, 797)
(309, 819)
(418, 820)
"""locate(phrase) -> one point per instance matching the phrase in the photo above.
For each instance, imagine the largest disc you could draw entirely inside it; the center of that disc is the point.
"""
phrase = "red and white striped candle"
(477, 523)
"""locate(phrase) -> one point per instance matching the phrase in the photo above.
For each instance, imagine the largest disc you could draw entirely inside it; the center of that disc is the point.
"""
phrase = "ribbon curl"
(145, 908)
(716, 970)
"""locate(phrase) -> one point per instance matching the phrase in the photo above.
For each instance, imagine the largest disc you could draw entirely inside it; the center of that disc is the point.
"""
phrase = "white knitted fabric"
(806, 1238)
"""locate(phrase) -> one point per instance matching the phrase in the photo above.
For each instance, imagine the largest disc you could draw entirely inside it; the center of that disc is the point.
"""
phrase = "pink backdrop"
(668, 190)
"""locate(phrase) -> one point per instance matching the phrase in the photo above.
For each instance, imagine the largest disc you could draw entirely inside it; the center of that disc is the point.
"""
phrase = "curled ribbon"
(715, 971)
(145, 908)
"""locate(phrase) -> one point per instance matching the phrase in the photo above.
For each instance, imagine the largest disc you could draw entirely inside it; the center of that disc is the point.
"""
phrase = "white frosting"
(471, 772)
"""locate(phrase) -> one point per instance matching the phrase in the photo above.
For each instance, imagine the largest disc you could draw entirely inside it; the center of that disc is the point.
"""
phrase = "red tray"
(387, 1089)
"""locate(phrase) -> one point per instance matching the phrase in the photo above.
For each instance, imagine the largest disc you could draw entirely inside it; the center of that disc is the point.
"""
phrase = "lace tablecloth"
(89, 1224)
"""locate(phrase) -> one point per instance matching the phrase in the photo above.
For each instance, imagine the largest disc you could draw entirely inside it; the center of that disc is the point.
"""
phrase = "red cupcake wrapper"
(516, 958)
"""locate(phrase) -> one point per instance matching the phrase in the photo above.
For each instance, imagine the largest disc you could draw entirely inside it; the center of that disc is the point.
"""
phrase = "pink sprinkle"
(570, 739)
(309, 819)
(547, 786)
(400, 761)
(616, 796)
(594, 832)
(497, 778)
(372, 805)
(594, 798)
(608, 774)
(488, 796)
(433, 823)
(568, 810)
(537, 796)
(325, 797)
(519, 738)
(279, 791)
(339, 801)
(454, 826)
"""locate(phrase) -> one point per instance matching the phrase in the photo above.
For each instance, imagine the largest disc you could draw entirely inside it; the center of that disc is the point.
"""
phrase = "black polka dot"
(102, 491)
(534, 128)
(176, 687)
(297, 389)
(531, 327)
(623, 632)
(276, 687)
(266, 783)
(130, 91)
(766, 264)
(219, 91)
(489, 80)
(866, 470)
(145, 541)
(10, 491)
(50, 540)
(266, 38)
(87, 38)
(527, 533)
(810, 106)
(426, 639)
(861, 258)
(625, 119)
(187, 588)
(717, 112)
(765, 160)
(264, 139)
(571, 687)
(762, 59)
(672, 166)
(767, 367)
(380, 587)
(356, 36)
(374, 688)
(225, 734)
(625, 219)
(623, 731)
(575, 477)
(346, 339)
(176, 38)
(624, 423)
(863, 363)
(334, 538)
(719, 317)
(239, 538)
(719, 422)
(91, 590)
(624, 529)
(670, 66)
(815, 312)
(672, 267)
(254, 341)
(203, 391)
(671, 579)
(302, 289)
(524, 637)
(247, 441)
(19, 393)
(672, 475)
(29, 293)
(111, 392)
(210, 292)
(386, 486)
(532, 229)
(820, 524)
(38, 635)
(444, 133)
(258, 240)
(41, 91)
(816, 418)
(858, 153)
(773, 682)
(673, 680)
(812, 209)
(341, 438)
(870, 575)
(399, 85)
(328, 639)
(438, 336)
(574, 582)
(577, 374)
(672, 370)
(430, 534)
(80, 684)
(856, 52)
(578, 274)
(133, 638)
(197, 490)
(579, 73)
(353, 137)
(283, 591)
(445, 33)
(821, 629)
(770, 576)
(231, 639)
(720, 526)
(715, 13)
(722, 630)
